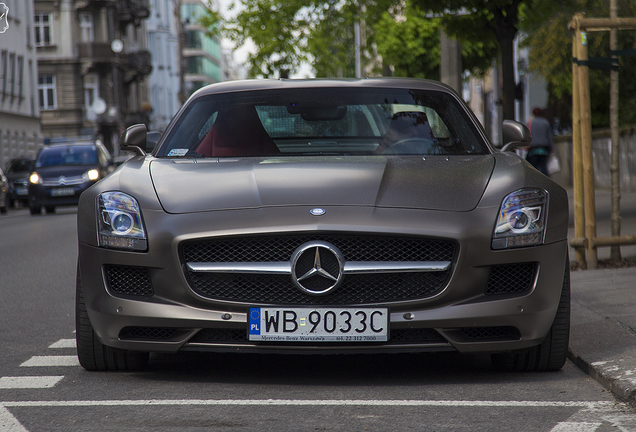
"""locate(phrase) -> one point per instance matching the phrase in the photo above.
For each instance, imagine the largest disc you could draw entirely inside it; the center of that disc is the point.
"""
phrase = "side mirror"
(515, 135)
(134, 139)
(152, 138)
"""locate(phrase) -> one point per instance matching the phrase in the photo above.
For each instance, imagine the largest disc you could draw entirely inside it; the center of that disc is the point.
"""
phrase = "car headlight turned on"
(35, 178)
(521, 220)
(91, 175)
(120, 223)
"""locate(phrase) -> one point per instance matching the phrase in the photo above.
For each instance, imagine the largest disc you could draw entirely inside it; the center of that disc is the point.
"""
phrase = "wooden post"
(577, 163)
(586, 148)
(615, 252)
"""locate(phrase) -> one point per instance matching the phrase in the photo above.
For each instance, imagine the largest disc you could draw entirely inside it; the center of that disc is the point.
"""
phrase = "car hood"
(434, 182)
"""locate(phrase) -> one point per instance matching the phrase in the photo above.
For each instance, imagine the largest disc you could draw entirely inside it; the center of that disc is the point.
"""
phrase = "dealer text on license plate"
(62, 191)
(319, 324)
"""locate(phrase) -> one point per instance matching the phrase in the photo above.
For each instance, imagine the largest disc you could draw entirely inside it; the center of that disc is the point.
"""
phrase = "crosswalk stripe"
(8, 423)
(576, 427)
(51, 361)
(29, 382)
(64, 343)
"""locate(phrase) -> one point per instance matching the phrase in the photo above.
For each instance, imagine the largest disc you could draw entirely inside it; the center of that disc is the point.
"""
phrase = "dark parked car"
(324, 216)
(65, 169)
(4, 192)
(18, 171)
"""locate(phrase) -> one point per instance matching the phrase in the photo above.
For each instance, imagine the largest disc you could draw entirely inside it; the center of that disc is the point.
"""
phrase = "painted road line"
(592, 418)
(610, 412)
(29, 382)
(576, 427)
(64, 343)
(8, 423)
(51, 361)
(612, 406)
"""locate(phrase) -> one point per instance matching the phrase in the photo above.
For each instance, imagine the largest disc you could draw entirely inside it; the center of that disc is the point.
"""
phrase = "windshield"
(67, 155)
(324, 121)
(20, 166)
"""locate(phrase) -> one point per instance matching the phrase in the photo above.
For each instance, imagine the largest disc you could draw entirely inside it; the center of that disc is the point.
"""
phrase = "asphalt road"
(42, 387)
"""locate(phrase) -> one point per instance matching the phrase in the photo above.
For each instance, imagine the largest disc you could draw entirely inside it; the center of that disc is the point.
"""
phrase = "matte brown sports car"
(324, 216)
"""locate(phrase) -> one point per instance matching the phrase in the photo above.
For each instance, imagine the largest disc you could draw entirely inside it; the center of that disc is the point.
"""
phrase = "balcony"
(140, 62)
(132, 11)
(95, 51)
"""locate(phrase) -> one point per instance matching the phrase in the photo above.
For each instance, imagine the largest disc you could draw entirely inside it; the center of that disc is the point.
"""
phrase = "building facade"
(202, 59)
(93, 67)
(164, 29)
(19, 110)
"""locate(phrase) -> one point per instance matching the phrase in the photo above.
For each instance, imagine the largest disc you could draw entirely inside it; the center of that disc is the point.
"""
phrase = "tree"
(550, 44)
(396, 34)
(498, 19)
(275, 29)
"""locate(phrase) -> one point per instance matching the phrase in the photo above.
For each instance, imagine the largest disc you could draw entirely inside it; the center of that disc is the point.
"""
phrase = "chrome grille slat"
(257, 270)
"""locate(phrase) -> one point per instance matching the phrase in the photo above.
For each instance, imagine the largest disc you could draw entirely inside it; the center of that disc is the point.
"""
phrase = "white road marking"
(611, 412)
(64, 343)
(591, 418)
(312, 402)
(51, 361)
(8, 423)
(30, 382)
(576, 427)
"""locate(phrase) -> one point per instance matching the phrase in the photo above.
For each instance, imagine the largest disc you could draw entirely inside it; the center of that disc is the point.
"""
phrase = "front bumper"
(460, 317)
(40, 195)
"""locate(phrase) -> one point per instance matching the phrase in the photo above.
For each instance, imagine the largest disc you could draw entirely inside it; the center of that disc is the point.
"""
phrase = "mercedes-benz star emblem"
(317, 267)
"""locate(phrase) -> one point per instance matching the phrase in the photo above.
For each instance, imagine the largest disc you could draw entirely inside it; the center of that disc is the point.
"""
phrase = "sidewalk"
(603, 320)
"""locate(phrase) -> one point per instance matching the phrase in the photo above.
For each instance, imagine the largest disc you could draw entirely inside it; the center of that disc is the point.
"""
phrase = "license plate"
(62, 191)
(21, 191)
(319, 324)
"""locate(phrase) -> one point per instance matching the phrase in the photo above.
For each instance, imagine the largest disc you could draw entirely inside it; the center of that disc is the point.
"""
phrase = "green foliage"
(410, 43)
(288, 32)
(550, 43)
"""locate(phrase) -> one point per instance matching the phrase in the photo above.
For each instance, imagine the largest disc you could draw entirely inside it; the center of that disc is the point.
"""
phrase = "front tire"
(552, 353)
(35, 209)
(92, 354)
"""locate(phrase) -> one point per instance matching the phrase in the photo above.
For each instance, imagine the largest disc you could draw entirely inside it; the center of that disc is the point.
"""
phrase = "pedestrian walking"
(541, 147)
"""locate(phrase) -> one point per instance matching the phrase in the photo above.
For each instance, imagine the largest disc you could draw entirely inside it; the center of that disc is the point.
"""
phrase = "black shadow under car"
(324, 216)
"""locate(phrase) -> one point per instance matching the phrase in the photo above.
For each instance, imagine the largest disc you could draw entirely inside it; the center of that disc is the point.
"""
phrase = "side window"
(437, 124)
(208, 125)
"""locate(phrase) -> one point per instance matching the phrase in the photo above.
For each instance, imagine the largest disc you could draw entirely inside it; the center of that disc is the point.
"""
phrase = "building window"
(46, 91)
(4, 68)
(86, 27)
(91, 92)
(42, 25)
(20, 78)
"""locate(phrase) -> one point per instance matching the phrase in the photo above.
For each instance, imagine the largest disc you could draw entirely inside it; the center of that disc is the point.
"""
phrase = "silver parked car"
(324, 216)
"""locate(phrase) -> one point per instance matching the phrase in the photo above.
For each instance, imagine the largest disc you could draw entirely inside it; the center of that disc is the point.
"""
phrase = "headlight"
(119, 222)
(35, 178)
(91, 175)
(521, 220)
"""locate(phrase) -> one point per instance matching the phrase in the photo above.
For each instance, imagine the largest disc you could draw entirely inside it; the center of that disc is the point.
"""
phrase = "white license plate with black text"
(318, 324)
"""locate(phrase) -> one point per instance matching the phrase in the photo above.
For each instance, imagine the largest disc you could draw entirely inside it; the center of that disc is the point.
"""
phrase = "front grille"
(491, 333)
(128, 280)
(353, 247)
(511, 278)
(147, 333)
(397, 337)
(64, 181)
(355, 288)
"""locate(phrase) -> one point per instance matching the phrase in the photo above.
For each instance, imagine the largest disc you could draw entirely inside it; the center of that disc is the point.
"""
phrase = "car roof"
(70, 143)
(275, 84)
